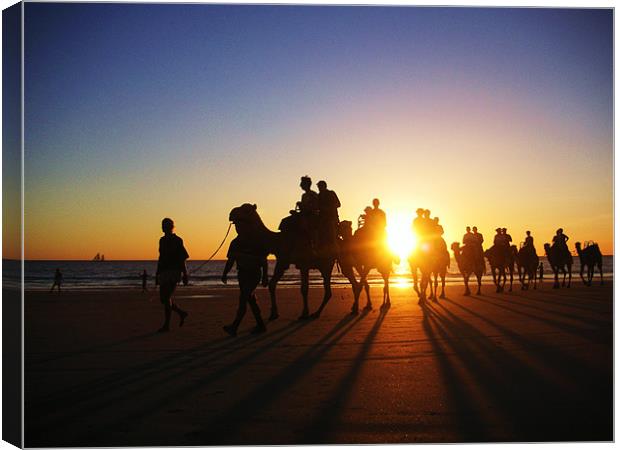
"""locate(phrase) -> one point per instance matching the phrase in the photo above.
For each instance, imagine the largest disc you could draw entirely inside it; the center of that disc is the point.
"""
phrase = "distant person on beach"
(251, 269)
(540, 271)
(57, 280)
(144, 277)
(170, 270)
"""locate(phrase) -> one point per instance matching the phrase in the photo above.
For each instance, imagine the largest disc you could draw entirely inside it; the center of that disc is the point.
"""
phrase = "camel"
(288, 249)
(590, 256)
(468, 264)
(527, 259)
(365, 256)
(501, 261)
(560, 259)
(432, 259)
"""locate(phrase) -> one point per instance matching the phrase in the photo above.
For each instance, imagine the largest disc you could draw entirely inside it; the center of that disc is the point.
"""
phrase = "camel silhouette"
(288, 249)
(560, 259)
(527, 264)
(502, 261)
(431, 259)
(590, 256)
(468, 264)
(364, 255)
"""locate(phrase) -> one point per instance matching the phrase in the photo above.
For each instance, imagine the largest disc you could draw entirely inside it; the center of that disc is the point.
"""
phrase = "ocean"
(127, 274)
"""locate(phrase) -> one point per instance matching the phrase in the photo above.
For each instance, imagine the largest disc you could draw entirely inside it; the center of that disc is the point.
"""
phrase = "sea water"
(127, 274)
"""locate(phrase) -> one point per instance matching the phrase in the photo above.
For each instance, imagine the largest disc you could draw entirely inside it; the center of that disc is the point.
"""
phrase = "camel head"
(243, 213)
(245, 218)
(456, 248)
(578, 246)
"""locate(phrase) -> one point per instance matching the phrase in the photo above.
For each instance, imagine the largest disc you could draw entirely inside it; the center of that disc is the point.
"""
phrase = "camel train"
(355, 252)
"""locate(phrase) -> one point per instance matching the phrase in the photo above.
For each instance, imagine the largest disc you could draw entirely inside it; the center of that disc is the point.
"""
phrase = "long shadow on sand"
(222, 430)
(124, 386)
(501, 396)
(594, 330)
(327, 420)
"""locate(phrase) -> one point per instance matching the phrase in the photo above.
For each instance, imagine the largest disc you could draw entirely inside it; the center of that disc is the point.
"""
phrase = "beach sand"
(519, 366)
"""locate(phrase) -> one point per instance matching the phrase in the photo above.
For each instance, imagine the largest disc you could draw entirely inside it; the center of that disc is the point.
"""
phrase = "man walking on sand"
(170, 269)
(57, 280)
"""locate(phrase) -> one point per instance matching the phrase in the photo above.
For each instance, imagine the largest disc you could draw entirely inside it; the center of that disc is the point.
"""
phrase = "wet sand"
(520, 366)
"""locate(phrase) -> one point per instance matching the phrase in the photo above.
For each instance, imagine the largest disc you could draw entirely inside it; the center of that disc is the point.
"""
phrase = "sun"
(400, 237)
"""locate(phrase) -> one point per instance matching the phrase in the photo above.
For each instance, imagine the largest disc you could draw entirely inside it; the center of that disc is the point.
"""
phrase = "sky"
(486, 116)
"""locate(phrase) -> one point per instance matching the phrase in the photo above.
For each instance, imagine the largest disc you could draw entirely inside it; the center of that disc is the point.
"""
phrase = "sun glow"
(400, 237)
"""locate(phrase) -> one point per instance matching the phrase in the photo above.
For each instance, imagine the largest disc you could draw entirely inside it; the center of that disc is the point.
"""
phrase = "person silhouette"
(251, 263)
(478, 240)
(364, 221)
(508, 238)
(309, 210)
(377, 222)
(560, 238)
(540, 271)
(529, 240)
(57, 280)
(499, 239)
(478, 236)
(328, 204)
(170, 270)
(378, 215)
(418, 223)
(437, 228)
(144, 277)
(468, 237)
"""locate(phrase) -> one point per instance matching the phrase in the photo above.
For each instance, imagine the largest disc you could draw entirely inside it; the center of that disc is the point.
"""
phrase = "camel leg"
(502, 279)
(581, 269)
(443, 286)
(564, 277)
(570, 275)
(511, 270)
(414, 273)
(466, 280)
(386, 290)
(556, 276)
(600, 268)
(326, 274)
(432, 281)
(305, 284)
(278, 272)
(364, 281)
(479, 277)
(422, 293)
(357, 288)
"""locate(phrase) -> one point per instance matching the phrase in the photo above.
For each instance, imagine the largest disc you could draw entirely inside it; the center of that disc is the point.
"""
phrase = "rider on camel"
(328, 204)
(309, 210)
(479, 239)
(560, 239)
(468, 237)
